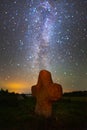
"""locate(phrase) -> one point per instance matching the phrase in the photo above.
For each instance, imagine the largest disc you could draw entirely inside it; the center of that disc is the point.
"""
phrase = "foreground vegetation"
(17, 113)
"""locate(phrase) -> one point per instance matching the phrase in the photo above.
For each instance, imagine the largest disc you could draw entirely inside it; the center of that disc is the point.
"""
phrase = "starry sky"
(43, 34)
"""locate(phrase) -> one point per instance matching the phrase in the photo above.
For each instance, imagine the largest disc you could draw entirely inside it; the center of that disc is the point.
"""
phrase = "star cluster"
(43, 34)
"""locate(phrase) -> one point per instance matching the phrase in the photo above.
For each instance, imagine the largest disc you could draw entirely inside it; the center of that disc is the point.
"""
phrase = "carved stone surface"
(45, 93)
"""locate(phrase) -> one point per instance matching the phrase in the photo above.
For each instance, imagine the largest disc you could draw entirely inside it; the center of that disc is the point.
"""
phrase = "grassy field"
(70, 113)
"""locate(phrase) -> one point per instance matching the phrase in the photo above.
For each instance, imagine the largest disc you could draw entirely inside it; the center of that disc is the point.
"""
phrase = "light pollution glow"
(43, 34)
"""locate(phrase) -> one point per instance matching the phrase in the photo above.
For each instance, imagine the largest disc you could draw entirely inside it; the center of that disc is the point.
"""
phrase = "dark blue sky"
(43, 34)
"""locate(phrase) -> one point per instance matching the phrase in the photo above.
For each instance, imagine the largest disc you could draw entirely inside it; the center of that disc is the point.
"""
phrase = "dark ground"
(70, 113)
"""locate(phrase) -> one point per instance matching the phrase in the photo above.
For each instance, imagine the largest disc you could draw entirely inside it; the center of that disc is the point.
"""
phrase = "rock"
(45, 93)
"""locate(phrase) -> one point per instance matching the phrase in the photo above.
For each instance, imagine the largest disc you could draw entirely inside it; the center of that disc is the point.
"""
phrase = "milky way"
(42, 24)
(43, 34)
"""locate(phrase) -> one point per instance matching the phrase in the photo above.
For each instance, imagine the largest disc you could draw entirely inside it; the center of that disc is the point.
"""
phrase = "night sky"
(43, 34)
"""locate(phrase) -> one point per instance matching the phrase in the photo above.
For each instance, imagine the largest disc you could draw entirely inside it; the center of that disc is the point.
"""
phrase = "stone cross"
(45, 93)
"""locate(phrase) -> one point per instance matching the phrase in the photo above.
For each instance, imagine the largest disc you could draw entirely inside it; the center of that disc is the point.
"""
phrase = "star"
(43, 34)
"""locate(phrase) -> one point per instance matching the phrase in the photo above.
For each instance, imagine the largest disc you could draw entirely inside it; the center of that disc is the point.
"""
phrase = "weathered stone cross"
(45, 93)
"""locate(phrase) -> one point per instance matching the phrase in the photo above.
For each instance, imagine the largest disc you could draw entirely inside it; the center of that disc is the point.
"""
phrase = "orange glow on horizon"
(18, 87)
(23, 87)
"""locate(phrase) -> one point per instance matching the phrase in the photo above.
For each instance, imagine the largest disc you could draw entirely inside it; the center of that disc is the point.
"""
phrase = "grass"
(70, 113)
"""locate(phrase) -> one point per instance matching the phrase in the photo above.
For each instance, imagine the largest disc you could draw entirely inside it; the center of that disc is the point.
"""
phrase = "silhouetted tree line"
(8, 99)
(76, 94)
(12, 99)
